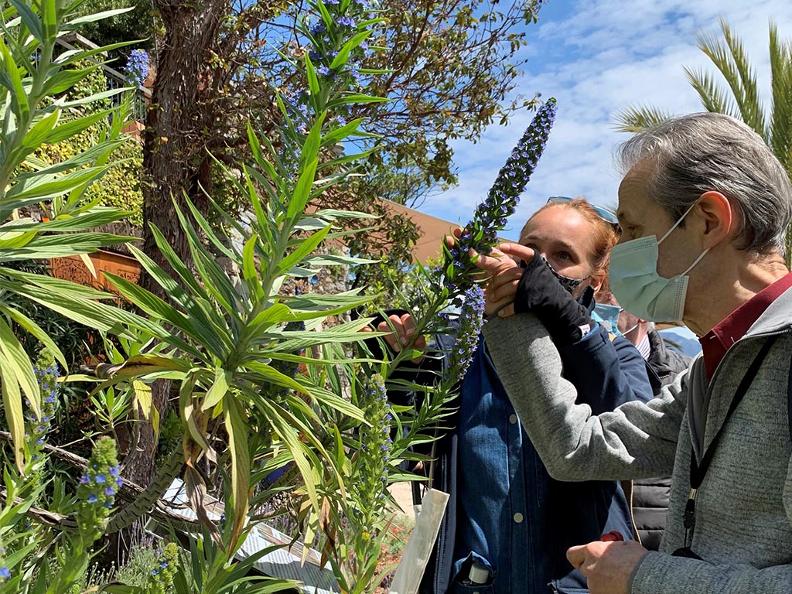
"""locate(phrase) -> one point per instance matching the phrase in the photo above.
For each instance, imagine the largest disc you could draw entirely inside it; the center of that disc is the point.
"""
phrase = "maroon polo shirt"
(734, 326)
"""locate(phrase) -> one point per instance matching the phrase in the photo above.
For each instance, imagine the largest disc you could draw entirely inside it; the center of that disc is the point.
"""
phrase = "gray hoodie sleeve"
(659, 573)
(637, 440)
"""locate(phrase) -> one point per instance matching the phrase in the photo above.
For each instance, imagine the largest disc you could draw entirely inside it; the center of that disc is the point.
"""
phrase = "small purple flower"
(324, 70)
(84, 479)
(471, 320)
(109, 491)
(100, 479)
(332, 2)
(5, 573)
(346, 21)
(92, 498)
(138, 65)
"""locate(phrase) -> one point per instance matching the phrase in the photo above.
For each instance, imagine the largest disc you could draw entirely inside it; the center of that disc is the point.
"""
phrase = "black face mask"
(570, 284)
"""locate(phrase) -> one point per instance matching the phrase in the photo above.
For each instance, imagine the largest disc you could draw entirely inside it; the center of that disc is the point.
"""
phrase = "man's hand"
(505, 273)
(608, 566)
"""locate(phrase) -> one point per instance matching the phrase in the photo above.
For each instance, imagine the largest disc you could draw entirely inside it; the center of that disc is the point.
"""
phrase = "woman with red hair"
(508, 523)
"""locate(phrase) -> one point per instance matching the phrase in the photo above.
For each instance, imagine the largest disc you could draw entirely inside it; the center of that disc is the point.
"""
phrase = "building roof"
(431, 229)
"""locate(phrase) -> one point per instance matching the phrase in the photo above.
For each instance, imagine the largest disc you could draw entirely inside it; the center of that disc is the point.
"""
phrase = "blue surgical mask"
(637, 285)
(607, 316)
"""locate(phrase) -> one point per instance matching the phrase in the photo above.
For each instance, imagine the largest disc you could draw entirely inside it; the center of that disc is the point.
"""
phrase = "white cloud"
(605, 56)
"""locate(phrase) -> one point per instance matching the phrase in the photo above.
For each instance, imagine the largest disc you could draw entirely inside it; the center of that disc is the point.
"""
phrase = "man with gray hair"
(704, 206)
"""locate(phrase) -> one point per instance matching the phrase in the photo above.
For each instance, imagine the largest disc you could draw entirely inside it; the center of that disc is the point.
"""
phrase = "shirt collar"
(734, 326)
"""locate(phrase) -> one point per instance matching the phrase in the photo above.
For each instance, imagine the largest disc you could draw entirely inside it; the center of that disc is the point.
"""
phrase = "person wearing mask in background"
(705, 207)
(649, 497)
(508, 524)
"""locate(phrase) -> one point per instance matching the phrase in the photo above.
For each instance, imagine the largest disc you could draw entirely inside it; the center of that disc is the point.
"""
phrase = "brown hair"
(606, 235)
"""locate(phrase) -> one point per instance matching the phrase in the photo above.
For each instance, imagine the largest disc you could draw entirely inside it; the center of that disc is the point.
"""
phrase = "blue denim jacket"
(508, 514)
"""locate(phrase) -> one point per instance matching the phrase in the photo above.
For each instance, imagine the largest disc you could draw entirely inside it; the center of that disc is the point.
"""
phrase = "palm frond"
(780, 130)
(732, 63)
(638, 119)
(751, 106)
(711, 94)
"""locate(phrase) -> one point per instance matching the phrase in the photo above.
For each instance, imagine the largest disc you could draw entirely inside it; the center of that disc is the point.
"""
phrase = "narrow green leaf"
(91, 18)
(219, 389)
(29, 18)
(342, 132)
(236, 427)
(313, 82)
(32, 328)
(355, 98)
(15, 415)
(302, 192)
(342, 57)
(18, 362)
(305, 248)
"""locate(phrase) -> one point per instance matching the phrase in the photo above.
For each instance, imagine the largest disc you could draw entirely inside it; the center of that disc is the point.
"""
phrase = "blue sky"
(599, 57)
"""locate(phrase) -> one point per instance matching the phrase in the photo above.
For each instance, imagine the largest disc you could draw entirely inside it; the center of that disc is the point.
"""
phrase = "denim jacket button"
(513, 419)
(518, 518)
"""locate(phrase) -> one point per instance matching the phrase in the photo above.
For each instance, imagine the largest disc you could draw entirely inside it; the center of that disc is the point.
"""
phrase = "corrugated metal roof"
(284, 563)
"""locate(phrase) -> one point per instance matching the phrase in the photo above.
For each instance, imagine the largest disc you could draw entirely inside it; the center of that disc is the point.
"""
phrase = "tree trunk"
(175, 157)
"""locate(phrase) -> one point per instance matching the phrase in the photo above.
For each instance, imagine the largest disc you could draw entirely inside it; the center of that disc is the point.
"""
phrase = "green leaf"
(29, 18)
(15, 415)
(18, 363)
(297, 449)
(343, 54)
(344, 214)
(302, 192)
(356, 98)
(10, 78)
(313, 82)
(273, 376)
(32, 328)
(219, 389)
(91, 18)
(341, 133)
(77, 125)
(47, 186)
(40, 131)
(313, 142)
(305, 248)
(334, 401)
(96, 97)
(66, 79)
(237, 427)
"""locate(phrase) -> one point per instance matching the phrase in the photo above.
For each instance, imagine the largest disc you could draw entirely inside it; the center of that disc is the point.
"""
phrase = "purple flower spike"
(481, 233)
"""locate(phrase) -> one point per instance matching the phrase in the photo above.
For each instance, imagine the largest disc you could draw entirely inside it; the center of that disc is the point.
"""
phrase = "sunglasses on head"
(605, 214)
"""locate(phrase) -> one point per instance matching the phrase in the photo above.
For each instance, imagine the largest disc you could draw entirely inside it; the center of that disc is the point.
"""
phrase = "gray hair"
(706, 152)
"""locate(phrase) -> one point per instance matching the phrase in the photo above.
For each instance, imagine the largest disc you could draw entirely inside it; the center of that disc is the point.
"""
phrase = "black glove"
(540, 293)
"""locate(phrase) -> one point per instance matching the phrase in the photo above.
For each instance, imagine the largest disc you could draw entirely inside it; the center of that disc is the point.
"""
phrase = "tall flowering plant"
(96, 491)
(453, 287)
(362, 521)
(481, 233)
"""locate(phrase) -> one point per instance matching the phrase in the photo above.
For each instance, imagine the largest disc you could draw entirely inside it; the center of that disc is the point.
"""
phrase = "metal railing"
(115, 79)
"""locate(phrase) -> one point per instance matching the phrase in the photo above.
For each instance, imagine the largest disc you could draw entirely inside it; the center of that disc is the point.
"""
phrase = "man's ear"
(718, 216)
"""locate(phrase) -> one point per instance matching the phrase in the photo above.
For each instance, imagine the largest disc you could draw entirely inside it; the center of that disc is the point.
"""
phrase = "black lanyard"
(699, 469)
